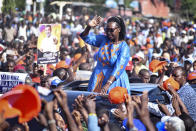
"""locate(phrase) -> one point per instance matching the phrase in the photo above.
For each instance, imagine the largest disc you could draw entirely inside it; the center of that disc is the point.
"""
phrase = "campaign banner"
(48, 43)
(9, 80)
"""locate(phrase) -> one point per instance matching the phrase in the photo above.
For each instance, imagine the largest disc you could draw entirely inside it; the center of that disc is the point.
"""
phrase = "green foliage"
(91, 1)
(127, 3)
(20, 4)
(170, 3)
(8, 6)
(188, 8)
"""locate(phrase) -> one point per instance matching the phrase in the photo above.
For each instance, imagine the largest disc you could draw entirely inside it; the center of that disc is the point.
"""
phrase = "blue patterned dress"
(111, 61)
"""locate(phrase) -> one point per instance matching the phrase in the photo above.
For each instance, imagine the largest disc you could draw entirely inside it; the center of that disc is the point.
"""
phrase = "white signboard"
(9, 80)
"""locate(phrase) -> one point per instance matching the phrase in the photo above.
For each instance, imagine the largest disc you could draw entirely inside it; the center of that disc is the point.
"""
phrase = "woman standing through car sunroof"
(112, 57)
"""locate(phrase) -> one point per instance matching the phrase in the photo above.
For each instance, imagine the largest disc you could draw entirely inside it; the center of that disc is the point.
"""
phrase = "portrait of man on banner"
(48, 43)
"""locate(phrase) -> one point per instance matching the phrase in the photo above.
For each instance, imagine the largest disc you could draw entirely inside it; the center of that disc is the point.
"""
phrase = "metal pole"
(34, 7)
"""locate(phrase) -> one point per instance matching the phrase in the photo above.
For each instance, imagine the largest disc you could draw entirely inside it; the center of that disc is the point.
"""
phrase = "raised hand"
(61, 97)
(79, 102)
(42, 119)
(25, 124)
(163, 108)
(48, 108)
(171, 90)
(137, 99)
(119, 114)
(2, 119)
(175, 105)
(90, 105)
(130, 109)
(103, 120)
(3, 124)
(181, 104)
(143, 112)
(95, 21)
(77, 117)
(105, 89)
(62, 100)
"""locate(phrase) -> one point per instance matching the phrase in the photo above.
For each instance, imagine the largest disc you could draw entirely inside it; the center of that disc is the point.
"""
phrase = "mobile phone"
(113, 110)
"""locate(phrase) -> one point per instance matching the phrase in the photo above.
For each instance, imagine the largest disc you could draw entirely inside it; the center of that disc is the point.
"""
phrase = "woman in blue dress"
(112, 56)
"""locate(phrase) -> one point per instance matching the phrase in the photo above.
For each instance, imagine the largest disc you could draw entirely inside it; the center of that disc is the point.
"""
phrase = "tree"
(8, 6)
(188, 8)
(20, 4)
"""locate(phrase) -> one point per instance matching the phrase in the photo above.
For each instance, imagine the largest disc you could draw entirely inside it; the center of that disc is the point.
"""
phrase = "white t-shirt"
(48, 44)
(22, 32)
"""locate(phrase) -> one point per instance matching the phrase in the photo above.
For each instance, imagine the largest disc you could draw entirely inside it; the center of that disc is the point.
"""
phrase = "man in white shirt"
(49, 43)
(183, 38)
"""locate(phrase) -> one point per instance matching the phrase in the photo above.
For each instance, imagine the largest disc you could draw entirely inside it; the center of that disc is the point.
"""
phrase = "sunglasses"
(110, 29)
(175, 75)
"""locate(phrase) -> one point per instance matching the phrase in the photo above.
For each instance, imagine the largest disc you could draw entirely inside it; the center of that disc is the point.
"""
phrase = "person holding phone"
(112, 57)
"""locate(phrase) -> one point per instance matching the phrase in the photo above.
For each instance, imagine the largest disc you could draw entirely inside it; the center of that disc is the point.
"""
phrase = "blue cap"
(137, 123)
(56, 81)
(160, 126)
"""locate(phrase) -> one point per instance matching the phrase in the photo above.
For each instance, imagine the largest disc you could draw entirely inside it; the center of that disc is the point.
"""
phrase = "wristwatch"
(133, 129)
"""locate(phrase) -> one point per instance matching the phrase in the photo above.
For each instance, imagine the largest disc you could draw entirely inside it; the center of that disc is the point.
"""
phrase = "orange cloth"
(21, 62)
(131, 43)
(81, 43)
(22, 101)
(156, 65)
(50, 69)
(36, 79)
(62, 64)
(77, 57)
(149, 46)
(50, 66)
(174, 84)
(143, 48)
(117, 95)
(35, 57)
(191, 76)
(148, 40)
(168, 24)
(129, 66)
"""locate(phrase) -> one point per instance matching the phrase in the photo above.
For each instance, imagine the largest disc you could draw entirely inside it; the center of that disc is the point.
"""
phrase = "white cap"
(173, 30)
(183, 32)
(191, 29)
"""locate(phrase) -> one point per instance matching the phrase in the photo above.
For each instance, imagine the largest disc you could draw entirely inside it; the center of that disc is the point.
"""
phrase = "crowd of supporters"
(162, 45)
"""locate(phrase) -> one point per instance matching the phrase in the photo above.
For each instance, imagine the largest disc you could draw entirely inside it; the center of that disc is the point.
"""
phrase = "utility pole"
(34, 7)
(121, 3)
(28, 5)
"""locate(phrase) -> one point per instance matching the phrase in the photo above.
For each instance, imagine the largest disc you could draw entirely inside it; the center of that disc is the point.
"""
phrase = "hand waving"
(95, 21)
(61, 97)
(105, 89)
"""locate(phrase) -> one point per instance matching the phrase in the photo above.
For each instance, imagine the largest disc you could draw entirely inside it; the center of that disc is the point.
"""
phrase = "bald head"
(179, 75)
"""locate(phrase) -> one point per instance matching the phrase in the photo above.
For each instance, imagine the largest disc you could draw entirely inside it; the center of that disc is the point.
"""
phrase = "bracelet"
(133, 129)
(51, 122)
(109, 81)
(92, 114)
